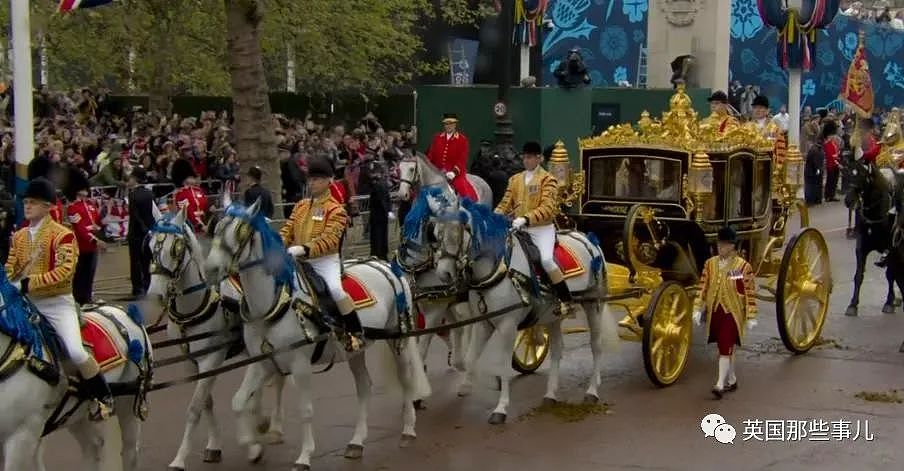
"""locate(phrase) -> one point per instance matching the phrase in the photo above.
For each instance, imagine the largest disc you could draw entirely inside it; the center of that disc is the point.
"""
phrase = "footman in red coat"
(449, 153)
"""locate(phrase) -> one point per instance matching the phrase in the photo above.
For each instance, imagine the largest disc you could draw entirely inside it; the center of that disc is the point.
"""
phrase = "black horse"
(871, 194)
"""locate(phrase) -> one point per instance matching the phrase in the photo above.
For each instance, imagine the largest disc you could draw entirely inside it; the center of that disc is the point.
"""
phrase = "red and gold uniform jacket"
(48, 260)
(722, 122)
(536, 200)
(730, 285)
(84, 218)
(317, 224)
(194, 201)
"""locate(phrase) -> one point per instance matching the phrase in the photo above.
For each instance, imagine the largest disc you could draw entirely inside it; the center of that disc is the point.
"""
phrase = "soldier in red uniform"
(189, 195)
(449, 153)
(84, 218)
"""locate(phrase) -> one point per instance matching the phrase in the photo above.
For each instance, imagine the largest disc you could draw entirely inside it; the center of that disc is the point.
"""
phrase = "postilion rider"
(449, 153)
(727, 299)
(532, 199)
(313, 233)
(42, 260)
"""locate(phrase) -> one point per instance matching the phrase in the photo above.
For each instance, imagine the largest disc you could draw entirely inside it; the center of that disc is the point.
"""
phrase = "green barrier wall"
(544, 114)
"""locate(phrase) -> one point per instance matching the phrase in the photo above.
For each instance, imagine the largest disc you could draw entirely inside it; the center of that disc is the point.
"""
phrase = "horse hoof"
(255, 454)
(851, 311)
(273, 437)
(548, 402)
(406, 441)
(888, 308)
(419, 404)
(591, 399)
(354, 452)
(213, 456)
(497, 419)
(301, 467)
(175, 468)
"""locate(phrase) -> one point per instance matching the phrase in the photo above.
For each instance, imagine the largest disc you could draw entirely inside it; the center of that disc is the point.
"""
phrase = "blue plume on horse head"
(135, 352)
(165, 225)
(420, 211)
(277, 261)
(135, 314)
(489, 229)
(14, 316)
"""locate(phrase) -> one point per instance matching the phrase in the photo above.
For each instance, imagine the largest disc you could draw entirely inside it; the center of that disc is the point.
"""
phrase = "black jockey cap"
(727, 234)
(76, 182)
(182, 169)
(532, 147)
(718, 96)
(450, 118)
(41, 189)
(320, 167)
(761, 100)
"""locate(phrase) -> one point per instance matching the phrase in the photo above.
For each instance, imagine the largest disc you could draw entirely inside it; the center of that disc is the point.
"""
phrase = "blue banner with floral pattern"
(609, 33)
(753, 60)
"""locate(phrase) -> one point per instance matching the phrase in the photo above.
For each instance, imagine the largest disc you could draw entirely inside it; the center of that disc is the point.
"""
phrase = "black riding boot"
(99, 389)
(353, 331)
(565, 299)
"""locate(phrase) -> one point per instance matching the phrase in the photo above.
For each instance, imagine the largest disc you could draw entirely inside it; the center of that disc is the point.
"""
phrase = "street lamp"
(700, 181)
(794, 171)
(504, 133)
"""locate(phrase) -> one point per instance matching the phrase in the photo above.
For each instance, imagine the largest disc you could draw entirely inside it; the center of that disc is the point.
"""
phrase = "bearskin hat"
(182, 169)
(76, 181)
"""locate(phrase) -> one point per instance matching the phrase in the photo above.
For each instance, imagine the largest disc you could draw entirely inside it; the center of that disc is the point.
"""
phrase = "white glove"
(751, 323)
(297, 251)
(450, 175)
(391, 216)
(698, 317)
(18, 285)
(518, 223)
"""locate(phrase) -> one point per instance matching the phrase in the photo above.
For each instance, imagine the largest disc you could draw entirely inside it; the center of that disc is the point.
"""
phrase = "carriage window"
(740, 185)
(713, 207)
(762, 191)
(635, 177)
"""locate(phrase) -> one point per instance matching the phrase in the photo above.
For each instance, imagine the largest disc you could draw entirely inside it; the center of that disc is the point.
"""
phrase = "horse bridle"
(243, 240)
(177, 252)
(863, 208)
(414, 177)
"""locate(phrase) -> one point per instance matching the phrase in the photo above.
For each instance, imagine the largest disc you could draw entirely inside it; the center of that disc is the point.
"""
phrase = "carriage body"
(657, 193)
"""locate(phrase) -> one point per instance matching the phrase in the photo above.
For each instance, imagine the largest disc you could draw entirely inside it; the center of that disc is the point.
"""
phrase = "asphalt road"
(644, 427)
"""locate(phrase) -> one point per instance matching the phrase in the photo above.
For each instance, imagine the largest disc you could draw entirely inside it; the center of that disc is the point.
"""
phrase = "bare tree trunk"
(256, 139)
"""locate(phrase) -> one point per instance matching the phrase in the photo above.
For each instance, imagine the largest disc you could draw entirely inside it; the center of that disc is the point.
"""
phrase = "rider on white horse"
(42, 260)
(313, 232)
(532, 198)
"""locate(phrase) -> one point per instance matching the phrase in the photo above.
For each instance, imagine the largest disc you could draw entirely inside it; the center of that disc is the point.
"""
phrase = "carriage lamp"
(794, 166)
(700, 180)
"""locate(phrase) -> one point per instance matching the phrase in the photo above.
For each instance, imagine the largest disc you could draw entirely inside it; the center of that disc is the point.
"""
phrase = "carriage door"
(739, 196)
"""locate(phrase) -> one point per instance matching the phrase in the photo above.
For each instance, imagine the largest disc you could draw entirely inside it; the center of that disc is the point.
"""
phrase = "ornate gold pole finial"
(559, 153)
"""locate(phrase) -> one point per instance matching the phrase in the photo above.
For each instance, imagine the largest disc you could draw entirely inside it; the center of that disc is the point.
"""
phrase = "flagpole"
(22, 91)
(794, 76)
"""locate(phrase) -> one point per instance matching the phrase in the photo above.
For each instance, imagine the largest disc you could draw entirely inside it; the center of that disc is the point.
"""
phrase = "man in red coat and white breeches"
(449, 153)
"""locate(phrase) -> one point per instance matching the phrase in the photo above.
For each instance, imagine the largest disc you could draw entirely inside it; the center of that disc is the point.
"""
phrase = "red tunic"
(84, 217)
(450, 154)
(832, 152)
(339, 192)
(194, 201)
(872, 149)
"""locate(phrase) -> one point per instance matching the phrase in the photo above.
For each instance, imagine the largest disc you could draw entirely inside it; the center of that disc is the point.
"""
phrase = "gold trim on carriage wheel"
(531, 348)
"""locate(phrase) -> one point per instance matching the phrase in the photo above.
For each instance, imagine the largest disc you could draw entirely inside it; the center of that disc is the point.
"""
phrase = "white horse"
(193, 307)
(501, 282)
(38, 395)
(417, 255)
(245, 243)
(416, 172)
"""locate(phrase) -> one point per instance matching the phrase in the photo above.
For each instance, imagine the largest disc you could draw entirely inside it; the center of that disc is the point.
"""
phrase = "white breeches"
(544, 237)
(329, 267)
(62, 314)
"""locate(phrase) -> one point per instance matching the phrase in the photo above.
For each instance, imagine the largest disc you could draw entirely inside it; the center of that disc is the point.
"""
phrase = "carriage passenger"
(313, 233)
(42, 261)
(532, 199)
(720, 118)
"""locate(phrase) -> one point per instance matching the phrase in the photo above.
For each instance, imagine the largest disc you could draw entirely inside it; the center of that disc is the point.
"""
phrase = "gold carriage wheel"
(667, 334)
(531, 348)
(803, 290)
(633, 246)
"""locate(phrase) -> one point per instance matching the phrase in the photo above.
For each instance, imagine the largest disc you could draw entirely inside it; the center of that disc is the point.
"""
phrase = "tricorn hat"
(727, 234)
(718, 96)
(532, 147)
(450, 118)
(182, 169)
(320, 167)
(41, 189)
(76, 181)
(761, 100)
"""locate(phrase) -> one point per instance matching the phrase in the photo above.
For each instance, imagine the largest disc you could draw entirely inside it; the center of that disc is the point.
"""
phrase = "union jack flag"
(69, 5)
